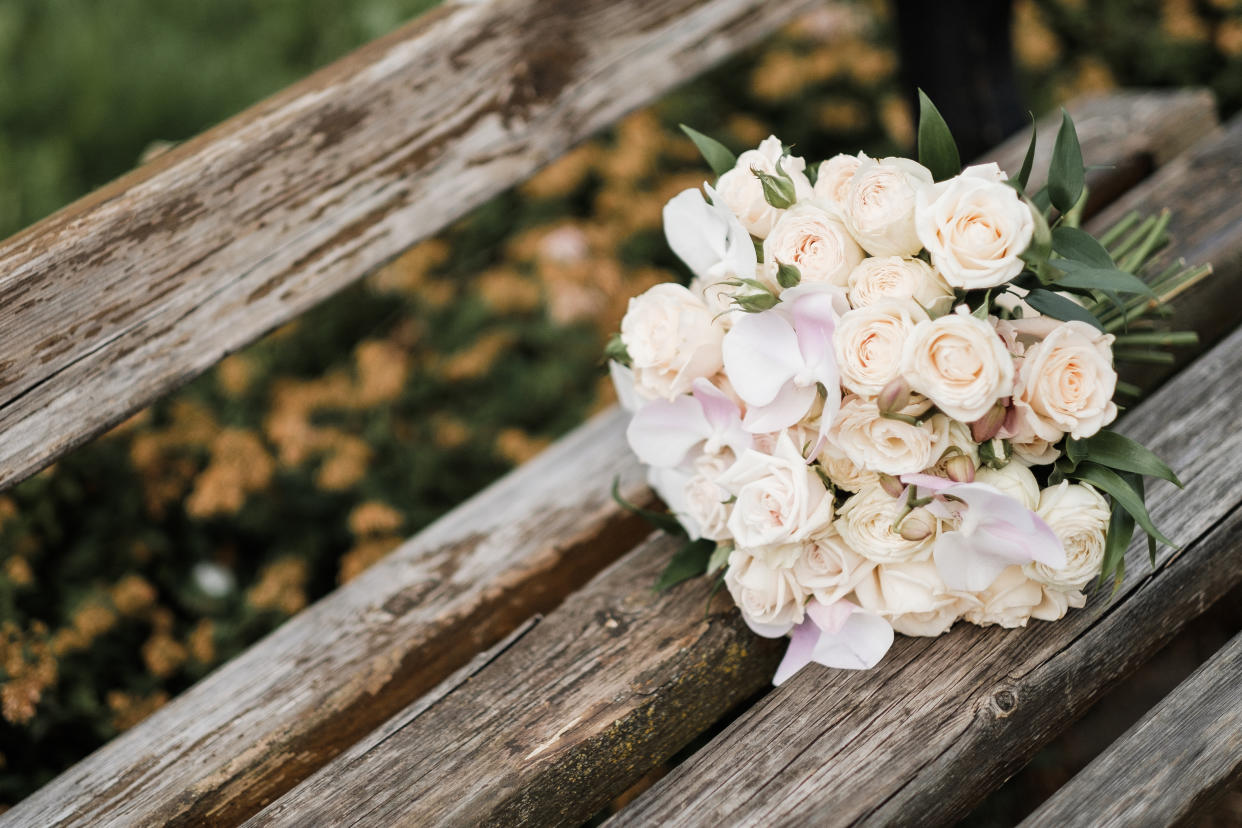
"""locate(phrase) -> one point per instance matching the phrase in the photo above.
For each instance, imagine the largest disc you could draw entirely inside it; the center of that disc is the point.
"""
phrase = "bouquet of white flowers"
(882, 402)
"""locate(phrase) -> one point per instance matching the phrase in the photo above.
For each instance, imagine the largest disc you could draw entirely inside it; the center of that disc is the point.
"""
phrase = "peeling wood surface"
(607, 686)
(1169, 767)
(144, 284)
(975, 704)
(251, 730)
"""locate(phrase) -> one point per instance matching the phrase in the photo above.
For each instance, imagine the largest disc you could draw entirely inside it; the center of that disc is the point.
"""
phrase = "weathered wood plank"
(616, 679)
(1170, 766)
(975, 704)
(253, 728)
(144, 284)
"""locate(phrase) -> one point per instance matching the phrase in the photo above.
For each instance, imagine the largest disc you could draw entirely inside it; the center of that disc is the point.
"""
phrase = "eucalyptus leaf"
(1066, 173)
(1117, 451)
(719, 157)
(688, 562)
(1123, 493)
(1058, 307)
(937, 149)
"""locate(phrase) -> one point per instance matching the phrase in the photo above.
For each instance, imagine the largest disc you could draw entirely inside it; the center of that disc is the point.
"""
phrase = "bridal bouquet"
(882, 402)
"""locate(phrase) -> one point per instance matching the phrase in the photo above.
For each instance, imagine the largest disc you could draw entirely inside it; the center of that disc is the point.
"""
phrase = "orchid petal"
(760, 355)
(662, 432)
(801, 647)
(862, 641)
(927, 481)
(790, 406)
(964, 564)
(723, 415)
(695, 232)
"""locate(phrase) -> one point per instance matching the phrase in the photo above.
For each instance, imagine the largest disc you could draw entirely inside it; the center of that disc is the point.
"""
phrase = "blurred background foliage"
(143, 560)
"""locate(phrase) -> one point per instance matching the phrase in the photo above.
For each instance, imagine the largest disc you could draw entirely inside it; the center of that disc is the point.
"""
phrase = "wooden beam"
(1172, 765)
(144, 284)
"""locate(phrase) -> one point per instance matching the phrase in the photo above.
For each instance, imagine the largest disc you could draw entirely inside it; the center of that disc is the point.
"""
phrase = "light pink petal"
(801, 647)
(830, 618)
(790, 406)
(662, 432)
(964, 564)
(761, 355)
(723, 416)
(927, 481)
(861, 642)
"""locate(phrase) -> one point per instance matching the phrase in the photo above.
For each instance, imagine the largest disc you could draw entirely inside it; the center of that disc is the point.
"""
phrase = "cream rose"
(865, 523)
(955, 435)
(1035, 452)
(741, 191)
(769, 597)
(886, 278)
(780, 499)
(1014, 480)
(1066, 384)
(975, 227)
(812, 240)
(879, 209)
(1056, 603)
(912, 597)
(706, 503)
(844, 472)
(960, 363)
(833, 184)
(881, 444)
(828, 568)
(1078, 515)
(672, 339)
(1008, 602)
(869, 342)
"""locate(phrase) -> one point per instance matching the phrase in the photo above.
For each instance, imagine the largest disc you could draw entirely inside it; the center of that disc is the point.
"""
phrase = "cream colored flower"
(1008, 602)
(887, 278)
(1014, 480)
(960, 363)
(844, 472)
(769, 597)
(865, 523)
(880, 444)
(912, 597)
(707, 503)
(1066, 384)
(812, 240)
(879, 209)
(828, 568)
(741, 191)
(780, 499)
(833, 184)
(672, 339)
(1078, 515)
(869, 343)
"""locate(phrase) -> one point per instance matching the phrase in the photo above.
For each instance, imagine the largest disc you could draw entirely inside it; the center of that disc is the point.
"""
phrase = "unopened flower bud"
(894, 396)
(918, 525)
(960, 469)
(891, 485)
(989, 425)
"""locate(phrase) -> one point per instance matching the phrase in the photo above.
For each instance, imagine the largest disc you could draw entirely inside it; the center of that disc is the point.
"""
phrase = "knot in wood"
(1004, 701)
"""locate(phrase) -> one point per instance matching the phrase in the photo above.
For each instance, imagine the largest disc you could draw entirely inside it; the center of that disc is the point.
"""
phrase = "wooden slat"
(255, 727)
(566, 719)
(146, 283)
(1170, 766)
(547, 734)
(942, 721)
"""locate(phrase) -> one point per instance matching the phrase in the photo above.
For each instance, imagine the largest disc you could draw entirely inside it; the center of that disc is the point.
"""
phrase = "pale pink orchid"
(779, 359)
(996, 532)
(663, 432)
(708, 238)
(840, 635)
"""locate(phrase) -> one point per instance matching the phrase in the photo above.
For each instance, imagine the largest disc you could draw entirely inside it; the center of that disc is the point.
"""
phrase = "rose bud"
(917, 525)
(894, 396)
(989, 425)
(960, 469)
(891, 485)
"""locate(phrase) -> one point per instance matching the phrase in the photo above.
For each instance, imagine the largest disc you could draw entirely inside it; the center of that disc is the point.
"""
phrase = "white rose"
(828, 568)
(741, 191)
(879, 209)
(780, 499)
(951, 434)
(869, 342)
(812, 240)
(1065, 383)
(1056, 603)
(672, 339)
(1078, 515)
(1035, 452)
(769, 597)
(833, 184)
(1014, 480)
(706, 501)
(1008, 602)
(960, 363)
(882, 444)
(912, 597)
(844, 472)
(881, 278)
(865, 522)
(975, 227)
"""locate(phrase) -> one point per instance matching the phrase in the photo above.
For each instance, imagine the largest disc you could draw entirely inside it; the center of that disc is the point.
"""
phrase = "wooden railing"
(510, 663)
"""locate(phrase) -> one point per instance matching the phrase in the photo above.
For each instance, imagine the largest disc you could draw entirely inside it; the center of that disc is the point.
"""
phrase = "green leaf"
(1041, 240)
(1058, 307)
(719, 157)
(787, 275)
(1066, 173)
(665, 521)
(1079, 275)
(1081, 246)
(1123, 493)
(1117, 451)
(1024, 174)
(688, 562)
(937, 149)
(615, 349)
(1120, 533)
(1075, 451)
(720, 557)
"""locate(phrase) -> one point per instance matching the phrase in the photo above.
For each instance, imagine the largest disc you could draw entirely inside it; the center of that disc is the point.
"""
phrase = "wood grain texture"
(255, 727)
(146, 283)
(1170, 766)
(606, 687)
(943, 721)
